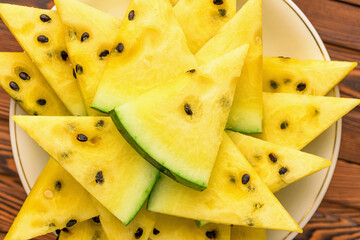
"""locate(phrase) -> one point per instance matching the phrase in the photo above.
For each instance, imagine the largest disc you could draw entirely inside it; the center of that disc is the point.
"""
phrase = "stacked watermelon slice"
(185, 117)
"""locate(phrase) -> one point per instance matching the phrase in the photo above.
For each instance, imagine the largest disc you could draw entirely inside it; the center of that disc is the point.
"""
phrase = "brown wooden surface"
(338, 217)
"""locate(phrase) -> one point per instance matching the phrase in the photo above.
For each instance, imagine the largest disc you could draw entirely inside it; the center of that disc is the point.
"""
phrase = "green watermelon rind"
(131, 140)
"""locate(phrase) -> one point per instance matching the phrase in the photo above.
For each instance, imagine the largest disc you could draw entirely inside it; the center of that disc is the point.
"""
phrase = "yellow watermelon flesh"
(25, 84)
(90, 36)
(202, 19)
(244, 27)
(51, 205)
(96, 155)
(148, 48)
(277, 166)
(310, 77)
(87, 230)
(235, 195)
(295, 120)
(247, 233)
(174, 2)
(40, 34)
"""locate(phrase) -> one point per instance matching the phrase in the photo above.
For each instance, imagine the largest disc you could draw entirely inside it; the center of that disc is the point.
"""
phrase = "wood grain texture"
(338, 217)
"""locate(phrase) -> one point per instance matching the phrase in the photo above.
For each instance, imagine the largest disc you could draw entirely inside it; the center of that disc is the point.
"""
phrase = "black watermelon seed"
(222, 12)
(36, 114)
(188, 110)
(99, 178)
(301, 87)
(42, 39)
(45, 18)
(191, 71)
(273, 84)
(85, 36)
(120, 47)
(155, 231)
(64, 55)
(211, 234)
(232, 179)
(24, 76)
(283, 170)
(71, 223)
(58, 185)
(81, 138)
(131, 15)
(57, 231)
(52, 225)
(245, 178)
(65, 230)
(139, 233)
(104, 53)
(218, 2)
(14, 86)
(273, 157)
(284, 125)
(96, 219)
(74, 74)
(100, 123)
(41, 102)
(79, 69)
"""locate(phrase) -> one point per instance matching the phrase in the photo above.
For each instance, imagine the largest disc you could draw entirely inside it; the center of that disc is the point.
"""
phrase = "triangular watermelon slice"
(207, 17)
(87, 230)
(34, 94)
(90, 36)
(98, 157)
(150, 49)
(40, 33)
(247, 233)
(276, 165)
(235, 195)
(295, 120)
(140, 227)
(310, 77)
(178, 127)
(51, 205)
(244, 27)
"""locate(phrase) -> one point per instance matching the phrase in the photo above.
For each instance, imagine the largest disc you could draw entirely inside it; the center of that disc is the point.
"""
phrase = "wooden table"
(338, 217)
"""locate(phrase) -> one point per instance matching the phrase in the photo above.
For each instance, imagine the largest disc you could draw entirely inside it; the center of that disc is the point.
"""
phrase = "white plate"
(287, 32)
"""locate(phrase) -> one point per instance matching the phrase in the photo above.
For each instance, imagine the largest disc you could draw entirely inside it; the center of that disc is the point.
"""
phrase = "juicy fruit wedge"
(235, 195)
(25, 84)
(310, 77)
(90, 35)
(51, 204)
(277, 166)
(40, 34)
(150, 49)
(244, 27)
(170, 227)
(294, 120)
(96, 155)
(87, 230)
(139, 228)
(202, 19)
(247, 233)
(171, 126)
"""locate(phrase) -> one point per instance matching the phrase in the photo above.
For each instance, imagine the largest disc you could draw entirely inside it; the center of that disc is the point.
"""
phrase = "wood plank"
(356, 3)
(336, 22)
(343, 54)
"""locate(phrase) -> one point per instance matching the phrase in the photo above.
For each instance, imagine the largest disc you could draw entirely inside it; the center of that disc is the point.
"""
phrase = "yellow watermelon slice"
(51, 205)
(178, 127)
(139, 228)
(295, 120)
(90, 35)
(150, 49)
(40, 34)
(310, 77)
(87, 230)
(235, 195)
(202, 19)
(247, 233)
(25, 84)
(276, 165)
(95, 154)
(244, 27)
